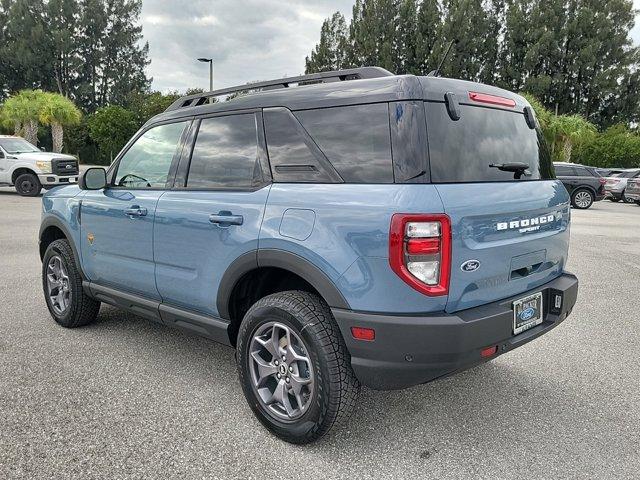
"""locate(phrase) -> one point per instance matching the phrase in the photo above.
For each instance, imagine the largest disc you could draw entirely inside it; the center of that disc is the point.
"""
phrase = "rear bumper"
(410, 350)
(51, 180)
(613, 194)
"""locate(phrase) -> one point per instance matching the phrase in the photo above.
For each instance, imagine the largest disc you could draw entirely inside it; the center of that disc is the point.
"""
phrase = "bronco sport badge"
(529, 224)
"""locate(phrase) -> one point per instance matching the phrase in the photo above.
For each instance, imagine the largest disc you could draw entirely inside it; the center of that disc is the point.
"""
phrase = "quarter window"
(355, 139)
(148, 161)
(293, 155)
(225, 154)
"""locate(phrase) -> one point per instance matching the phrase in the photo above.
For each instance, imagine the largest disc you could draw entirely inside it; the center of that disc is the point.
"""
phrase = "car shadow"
(499, 399)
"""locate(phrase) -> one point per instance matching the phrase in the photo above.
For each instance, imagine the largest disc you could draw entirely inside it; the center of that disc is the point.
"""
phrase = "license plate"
(527, 313)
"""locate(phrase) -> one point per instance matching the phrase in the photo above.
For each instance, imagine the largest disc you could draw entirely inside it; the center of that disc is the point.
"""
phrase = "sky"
(249, 40)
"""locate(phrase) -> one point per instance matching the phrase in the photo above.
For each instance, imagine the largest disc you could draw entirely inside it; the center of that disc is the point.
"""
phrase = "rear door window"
(564, 171)
(465, 150)
(355, 139)
(225, 154)
(582, 172)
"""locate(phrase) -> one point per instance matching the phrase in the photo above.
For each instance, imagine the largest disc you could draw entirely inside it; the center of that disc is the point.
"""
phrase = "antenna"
(436, 72)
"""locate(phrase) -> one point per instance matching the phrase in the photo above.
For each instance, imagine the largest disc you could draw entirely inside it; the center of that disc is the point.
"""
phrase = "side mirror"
(93, 179)
(42, 149)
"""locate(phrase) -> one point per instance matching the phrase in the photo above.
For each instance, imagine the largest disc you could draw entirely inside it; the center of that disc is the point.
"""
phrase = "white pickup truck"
(30, 170)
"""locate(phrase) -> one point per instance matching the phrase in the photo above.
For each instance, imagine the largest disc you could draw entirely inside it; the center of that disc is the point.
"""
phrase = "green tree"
(62, 17)
(25, 51)
(407, 38)
(428, 36)
(563, 133)
(476, 43)
(146, 105)
(373, 33)
(88, 50)
(617, 146)
(111, 128)
(58, 112)
(23, 111)
(330, 53)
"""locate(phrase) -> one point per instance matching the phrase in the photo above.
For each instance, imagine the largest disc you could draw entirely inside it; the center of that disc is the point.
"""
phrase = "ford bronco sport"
(360, 228)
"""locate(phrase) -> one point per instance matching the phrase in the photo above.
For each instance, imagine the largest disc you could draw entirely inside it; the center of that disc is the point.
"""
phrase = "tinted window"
(293, 155)
(564, 171)
(355, 140)
(409, 142)
(583, 172)
(147, 162)
(225, 153)
(463, 150)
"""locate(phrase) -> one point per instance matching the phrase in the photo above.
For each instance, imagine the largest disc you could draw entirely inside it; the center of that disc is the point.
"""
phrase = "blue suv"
(338, 229)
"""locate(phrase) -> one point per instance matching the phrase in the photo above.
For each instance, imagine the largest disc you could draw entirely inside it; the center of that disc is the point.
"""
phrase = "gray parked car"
(616, 185)
(584, 184)
(632, 193)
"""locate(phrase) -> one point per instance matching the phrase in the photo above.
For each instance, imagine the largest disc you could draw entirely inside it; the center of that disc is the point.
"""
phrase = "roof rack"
(322, 77)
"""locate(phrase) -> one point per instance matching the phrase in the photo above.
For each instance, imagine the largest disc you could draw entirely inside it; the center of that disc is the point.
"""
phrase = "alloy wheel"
(281, 371)
(58, 288)
(583, 199)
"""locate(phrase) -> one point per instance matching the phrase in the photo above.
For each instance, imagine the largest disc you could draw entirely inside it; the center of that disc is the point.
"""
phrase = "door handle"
(225, 218)
(135, 211)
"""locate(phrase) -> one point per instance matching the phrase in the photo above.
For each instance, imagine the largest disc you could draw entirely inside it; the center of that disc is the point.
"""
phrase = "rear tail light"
(420, 251)
(602, 181)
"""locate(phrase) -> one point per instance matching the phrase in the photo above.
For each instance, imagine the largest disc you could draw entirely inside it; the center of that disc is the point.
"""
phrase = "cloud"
(248, 40)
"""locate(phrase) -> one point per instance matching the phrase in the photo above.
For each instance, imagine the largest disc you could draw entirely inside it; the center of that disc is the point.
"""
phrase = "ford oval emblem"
(527, 314)
(470, 266)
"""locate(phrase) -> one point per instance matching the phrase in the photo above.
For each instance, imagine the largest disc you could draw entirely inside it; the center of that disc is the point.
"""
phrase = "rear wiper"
(517, 167)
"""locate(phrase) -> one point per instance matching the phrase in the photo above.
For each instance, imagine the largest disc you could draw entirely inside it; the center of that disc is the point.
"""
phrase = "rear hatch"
(510, 229)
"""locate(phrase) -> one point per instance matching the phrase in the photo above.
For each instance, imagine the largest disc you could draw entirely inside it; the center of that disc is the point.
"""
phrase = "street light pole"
(210, 62)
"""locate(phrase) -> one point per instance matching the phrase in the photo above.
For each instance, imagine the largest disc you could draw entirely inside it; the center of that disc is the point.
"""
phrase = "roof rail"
(322, 77)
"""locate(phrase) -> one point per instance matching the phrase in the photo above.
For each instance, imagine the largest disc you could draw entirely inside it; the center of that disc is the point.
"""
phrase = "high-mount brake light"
(492, 99)
(420, 251)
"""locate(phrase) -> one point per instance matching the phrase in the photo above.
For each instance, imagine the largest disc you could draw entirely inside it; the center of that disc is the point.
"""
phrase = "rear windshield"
(465, 150)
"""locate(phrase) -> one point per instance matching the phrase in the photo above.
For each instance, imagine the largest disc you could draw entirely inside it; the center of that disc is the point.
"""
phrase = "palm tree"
(562, 132)
(23, 111)
(58, 111)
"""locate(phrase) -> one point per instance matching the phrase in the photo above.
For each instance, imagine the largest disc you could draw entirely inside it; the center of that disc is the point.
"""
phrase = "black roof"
(377, 85)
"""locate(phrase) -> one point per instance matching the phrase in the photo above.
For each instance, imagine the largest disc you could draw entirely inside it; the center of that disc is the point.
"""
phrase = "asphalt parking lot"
(126, 398)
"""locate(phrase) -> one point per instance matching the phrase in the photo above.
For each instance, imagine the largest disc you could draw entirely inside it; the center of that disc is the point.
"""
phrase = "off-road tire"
(336, 388)
(28, 185)
(82, 309)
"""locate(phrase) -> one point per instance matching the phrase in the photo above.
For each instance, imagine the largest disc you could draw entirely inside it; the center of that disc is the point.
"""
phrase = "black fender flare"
(52, 221)
(280, 259)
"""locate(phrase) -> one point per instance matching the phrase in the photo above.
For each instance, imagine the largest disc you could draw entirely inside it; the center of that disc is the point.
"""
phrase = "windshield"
(17, 145)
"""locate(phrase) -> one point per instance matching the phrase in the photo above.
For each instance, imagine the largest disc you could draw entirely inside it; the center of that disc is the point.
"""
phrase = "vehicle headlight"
(44, 166)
